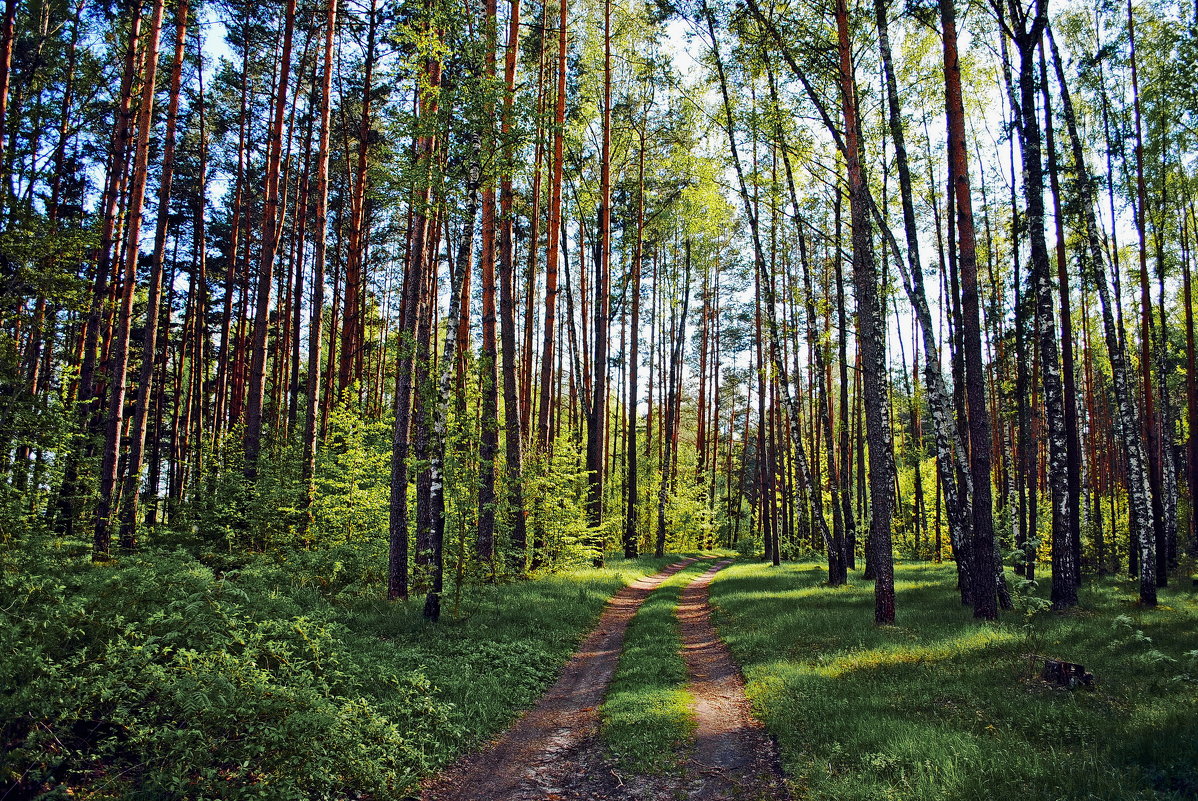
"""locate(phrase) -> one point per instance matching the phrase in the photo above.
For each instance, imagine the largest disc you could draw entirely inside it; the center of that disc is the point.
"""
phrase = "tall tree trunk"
(835, 544)
(1188, 230)
(553, 236)
(845, 451)
(597, 422)
(320, 245)
(838, 566)
(1072, 441)
(530, 272)
(1128, 427)
(631, 536)
(1152, 433)
(1064, 586)
(489, 422)
(137, 435)
(670, 412)
(353, 320)
(270, 242)
(984, 586)
(488, 375)
(119, 360)
(513, 434)
(414, 288)
(871, 327)
(7, 35)
(87, 399)
(766, 300)
(224, 365)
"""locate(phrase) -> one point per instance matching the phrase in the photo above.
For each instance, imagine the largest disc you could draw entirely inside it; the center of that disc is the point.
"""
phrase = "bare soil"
(734, 756)
(551, 752)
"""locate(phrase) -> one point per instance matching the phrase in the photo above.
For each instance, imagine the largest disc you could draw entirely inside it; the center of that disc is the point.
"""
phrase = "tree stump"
(1066, 674)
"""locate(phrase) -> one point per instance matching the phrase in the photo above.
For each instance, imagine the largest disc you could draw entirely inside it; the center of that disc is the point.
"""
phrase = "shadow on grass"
(943, 707)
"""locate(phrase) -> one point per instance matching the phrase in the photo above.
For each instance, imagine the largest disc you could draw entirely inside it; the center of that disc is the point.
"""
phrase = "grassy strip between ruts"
(943, 707)
(646, 717)
(286, 677)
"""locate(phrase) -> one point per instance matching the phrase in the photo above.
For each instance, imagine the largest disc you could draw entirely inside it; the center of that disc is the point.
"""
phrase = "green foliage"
(353, 473)
(554, 494)
(351, 491)
(279, 676)
(690, 522)
(213, 688)
(746, 548)
(1130, 641)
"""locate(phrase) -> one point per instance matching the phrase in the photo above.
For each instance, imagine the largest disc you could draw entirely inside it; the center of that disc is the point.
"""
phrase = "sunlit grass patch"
(943, 707)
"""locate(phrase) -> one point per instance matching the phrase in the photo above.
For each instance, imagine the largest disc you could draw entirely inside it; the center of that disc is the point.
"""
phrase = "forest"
(598, 399)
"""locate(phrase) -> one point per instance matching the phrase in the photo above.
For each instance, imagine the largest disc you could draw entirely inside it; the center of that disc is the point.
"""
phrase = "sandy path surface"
(734, 758)
(551, 752)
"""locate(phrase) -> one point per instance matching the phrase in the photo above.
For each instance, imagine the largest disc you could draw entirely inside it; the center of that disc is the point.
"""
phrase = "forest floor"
(942, 707)
(175, 674)
(556, 750)
(180, 674)
(831, 706)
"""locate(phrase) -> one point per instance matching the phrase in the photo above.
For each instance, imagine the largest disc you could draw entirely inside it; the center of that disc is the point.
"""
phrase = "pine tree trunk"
(413, 291)
(119, 359)
(513, 434)
(353, 320)
(87, 398)
(553, 235)
(597, 414)
(7, 35)
(224, 362)
(489, 419)
(137, 435)
(983, 576)
(631, 536)
(270, 221)
(319, 258)
(766, 301)
(670, 411)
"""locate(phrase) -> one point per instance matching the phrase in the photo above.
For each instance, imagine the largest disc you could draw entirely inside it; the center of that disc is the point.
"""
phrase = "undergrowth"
(283, 676)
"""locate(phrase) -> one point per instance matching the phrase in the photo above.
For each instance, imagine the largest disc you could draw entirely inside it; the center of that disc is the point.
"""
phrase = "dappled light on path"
(733, 755)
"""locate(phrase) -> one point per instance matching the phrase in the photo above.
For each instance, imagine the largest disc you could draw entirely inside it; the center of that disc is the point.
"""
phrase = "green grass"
(942, 707)
(646, 716)
(168, 675)
(508, 645)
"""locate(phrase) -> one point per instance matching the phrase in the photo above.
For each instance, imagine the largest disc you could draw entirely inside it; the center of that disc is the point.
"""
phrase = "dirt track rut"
(546, 753)
(553, 753)
(734, 757)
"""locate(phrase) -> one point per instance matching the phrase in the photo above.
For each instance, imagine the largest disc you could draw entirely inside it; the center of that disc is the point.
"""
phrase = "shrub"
(168, 680)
